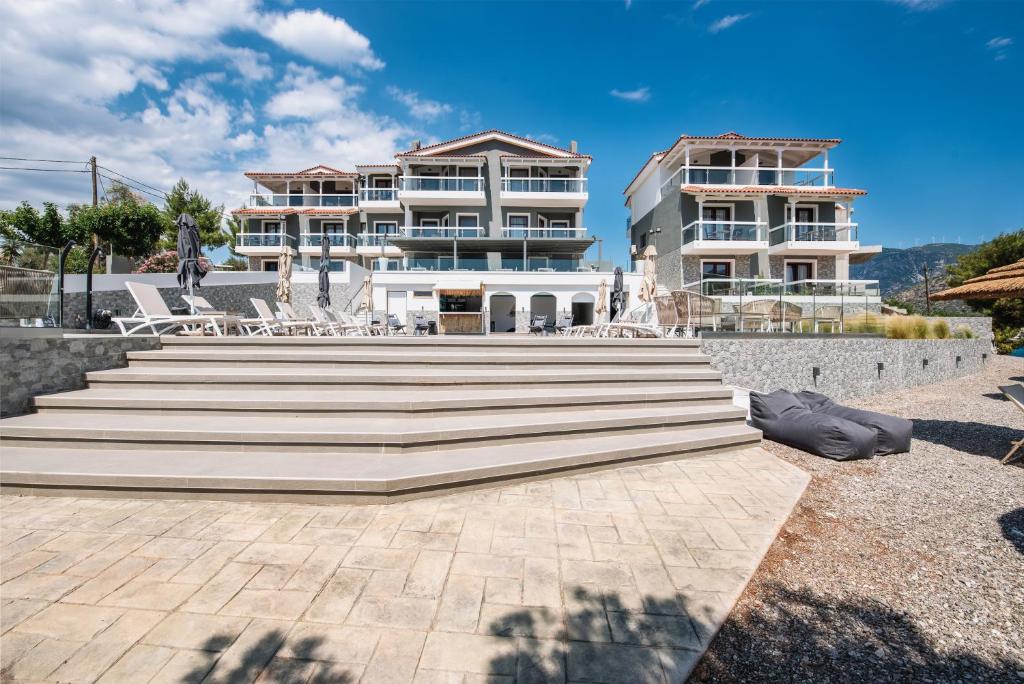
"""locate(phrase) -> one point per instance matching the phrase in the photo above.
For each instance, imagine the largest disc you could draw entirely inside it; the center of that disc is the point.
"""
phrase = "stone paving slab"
(619, 575)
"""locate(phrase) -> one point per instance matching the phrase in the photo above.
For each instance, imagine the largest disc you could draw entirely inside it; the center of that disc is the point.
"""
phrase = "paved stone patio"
(618, 575)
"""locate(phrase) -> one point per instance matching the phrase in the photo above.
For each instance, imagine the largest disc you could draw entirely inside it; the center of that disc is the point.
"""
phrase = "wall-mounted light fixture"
(958, 360)
(924, 363)
(881, 367)
(815, 372)
(984, 357)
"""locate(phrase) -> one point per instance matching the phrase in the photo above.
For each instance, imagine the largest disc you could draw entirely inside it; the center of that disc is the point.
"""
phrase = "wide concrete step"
(308, 376)
(329, 357)
(291, 476)
(483, 342)
(278, 403)
(345, 434)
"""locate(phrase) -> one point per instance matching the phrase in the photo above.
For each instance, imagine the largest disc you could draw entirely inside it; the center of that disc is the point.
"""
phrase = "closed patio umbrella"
(649, 285)
(323, 298)
(284, 274)
(618, 295)
(190, 271)
(368, 297)
(602, 301)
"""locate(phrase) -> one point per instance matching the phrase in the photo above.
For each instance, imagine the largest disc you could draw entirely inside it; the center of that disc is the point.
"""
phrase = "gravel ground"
(902, 568)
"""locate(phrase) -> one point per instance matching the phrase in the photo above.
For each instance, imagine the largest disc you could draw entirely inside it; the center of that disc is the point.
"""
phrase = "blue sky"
(927, 95)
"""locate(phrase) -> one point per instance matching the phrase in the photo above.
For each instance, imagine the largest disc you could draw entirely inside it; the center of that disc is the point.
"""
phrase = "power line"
(158, 195)
(31, 168)
(132, 179)
(50, 161)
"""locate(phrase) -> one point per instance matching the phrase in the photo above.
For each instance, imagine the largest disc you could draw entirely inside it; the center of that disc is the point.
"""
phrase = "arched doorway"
(543, 304)
(583, 308)
(502, 308)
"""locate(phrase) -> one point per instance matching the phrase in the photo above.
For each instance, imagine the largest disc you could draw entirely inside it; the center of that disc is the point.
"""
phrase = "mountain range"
(898, 270)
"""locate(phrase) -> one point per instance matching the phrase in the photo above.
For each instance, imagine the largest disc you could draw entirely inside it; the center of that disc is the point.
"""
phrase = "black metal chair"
(395, 326)
(420, 325)
(539, 325)
(564, 324)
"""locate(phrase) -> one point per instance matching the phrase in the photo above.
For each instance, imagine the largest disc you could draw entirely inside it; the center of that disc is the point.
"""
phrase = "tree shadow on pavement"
(300, 666)
(1012, 525)
(798, 636)
(971, 437)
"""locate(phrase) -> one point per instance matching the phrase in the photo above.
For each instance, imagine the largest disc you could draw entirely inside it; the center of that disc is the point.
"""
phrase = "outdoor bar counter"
(460, 322)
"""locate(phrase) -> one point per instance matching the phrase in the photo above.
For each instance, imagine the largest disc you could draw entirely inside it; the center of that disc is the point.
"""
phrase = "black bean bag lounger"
(783, 418)
(893, 433)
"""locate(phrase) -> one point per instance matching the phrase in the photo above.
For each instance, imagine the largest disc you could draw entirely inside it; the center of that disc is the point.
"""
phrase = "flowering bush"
(167, 262)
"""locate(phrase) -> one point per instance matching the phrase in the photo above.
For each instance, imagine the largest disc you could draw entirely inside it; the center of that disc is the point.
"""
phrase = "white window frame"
(792, 216)
(787, 262)
(512, 213)
(279, 222)
(264, 262)
(713, 205)
(426, 223)
(476, 218)
(555, 223)
(341, 229)
(391, 223)
(731, 262)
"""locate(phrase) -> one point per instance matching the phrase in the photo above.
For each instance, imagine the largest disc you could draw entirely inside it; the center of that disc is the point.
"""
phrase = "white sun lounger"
(154, 314)
(292, 316)
(202, 306)
(269, 324)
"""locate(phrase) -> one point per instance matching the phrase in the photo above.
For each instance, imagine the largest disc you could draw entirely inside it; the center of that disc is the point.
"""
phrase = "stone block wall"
(304, 295)
(981, 326)
(34, 362)
(848, 365)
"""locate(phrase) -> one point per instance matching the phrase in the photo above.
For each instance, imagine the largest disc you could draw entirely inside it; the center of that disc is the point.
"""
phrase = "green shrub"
(918, 327)
(897, 327)
(940, 330)
(963, 332)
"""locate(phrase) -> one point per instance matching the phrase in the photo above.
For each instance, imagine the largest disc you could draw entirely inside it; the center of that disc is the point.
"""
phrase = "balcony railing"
(509, 184)
(831, 288)
(521, 233)
(265, 200)
(440, 232)
(375, 239)
(440, 184)
(727, 175)
(333, 239)
(773, 287)
(263, 239)
(726, 231)
(544, 265)
(814, 232)
(447, 263)
(378, 195)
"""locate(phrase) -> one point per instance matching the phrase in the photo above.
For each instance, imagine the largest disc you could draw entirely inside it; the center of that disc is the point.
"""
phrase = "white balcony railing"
(775, 288)
(814, 232)
(726, 231)
(441, 184)
(376, 239)
(263, 239)
(378, 195)
(521, 233)
(440, 232)
(727, 175)
(576, 185)
(333, 239)
(308, 200)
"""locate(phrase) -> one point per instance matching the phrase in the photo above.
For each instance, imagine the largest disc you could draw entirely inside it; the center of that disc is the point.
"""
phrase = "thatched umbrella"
(1002, 282)
(602, 300)
(649, 285)
(284, 274)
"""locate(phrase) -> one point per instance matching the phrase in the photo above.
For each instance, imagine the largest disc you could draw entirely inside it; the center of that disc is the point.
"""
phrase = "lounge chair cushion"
(783, 418)
(893, 433)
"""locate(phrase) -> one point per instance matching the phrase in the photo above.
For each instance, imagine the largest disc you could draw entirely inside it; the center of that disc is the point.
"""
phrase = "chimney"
(572, 146)
(415, 144)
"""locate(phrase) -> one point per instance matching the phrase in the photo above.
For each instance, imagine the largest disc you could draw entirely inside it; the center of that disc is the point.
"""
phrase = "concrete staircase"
(367, 418)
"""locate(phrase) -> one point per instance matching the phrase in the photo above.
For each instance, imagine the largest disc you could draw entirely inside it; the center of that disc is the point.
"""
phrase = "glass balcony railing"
(543, 264)
(378, 195)
(441, 184)
(520, 232)
(375, 239)
(544, 185)
(297, 200)
(447, 263)
(333, 239)
(814, 232)
(727, 175)
(263, 239)
(726, 231)
(441, 232)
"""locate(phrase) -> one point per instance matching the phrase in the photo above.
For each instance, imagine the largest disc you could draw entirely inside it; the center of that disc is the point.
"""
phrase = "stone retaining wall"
(34, 362)
(848, 366)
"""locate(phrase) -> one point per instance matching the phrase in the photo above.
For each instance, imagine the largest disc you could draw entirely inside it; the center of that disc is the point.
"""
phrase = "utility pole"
(92, 168)
(927, 294)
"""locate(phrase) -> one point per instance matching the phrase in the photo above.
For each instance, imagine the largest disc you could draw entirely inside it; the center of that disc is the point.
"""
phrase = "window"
(467, 220)
(424, 294)
(430, 222)
(518, 220)
(799, 270)
(710, 270)
(716, 222)
(519, 173)
(643, 242)
(334, 228)
(380, 182)
(385, 227)
(270, 265)
(271, 226)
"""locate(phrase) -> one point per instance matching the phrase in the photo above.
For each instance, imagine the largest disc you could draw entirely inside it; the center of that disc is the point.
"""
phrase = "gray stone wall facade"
(825, 270)
(344, 296)
(981, 326)
(848, 366)
(745, 266)
(231, 298)
(34, 362)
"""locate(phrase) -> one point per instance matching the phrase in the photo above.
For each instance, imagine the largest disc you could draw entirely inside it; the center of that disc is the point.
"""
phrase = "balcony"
(809, 239)
(439, 191)
(523, 233)
(377, 244)
(724, 237)
(341, 244)
(440, 232)
(727, 175)
(310, 200)
(544, 192)
(262, 244)
(380, 199)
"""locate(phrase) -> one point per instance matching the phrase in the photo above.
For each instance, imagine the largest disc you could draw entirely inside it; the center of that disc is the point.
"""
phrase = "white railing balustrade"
(520, 233)
(303, 200)
(510, 184)
(762, 175)
(814, 232)
(262, 239)
(441, 184)
(378, 194)
(440, 232)
(728, 231)
(333, 239)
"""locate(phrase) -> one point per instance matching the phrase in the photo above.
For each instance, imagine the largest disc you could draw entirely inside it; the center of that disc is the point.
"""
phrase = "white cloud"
(642, 94)
(727, 21)
(999, 47)
(419, 107)
(700, 3)
(322, 38)
(308, 96)
(252, 65)
(920, 5)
